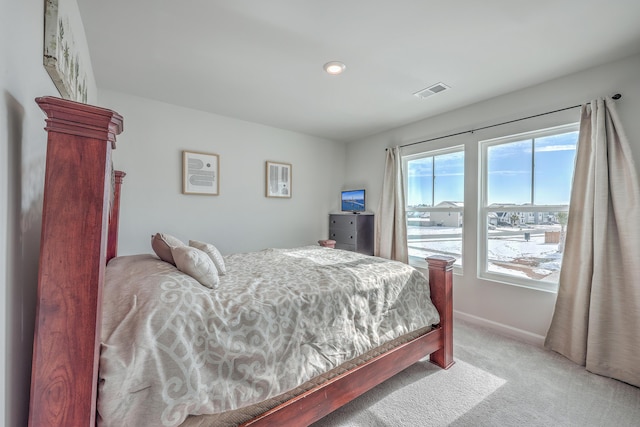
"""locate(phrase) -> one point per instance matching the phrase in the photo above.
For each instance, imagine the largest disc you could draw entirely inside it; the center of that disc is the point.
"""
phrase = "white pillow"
(213, 253)
(162, 244)
(196, 264)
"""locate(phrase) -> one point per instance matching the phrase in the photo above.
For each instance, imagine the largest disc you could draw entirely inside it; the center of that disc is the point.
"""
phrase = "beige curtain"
(391, 224)
(596, 322)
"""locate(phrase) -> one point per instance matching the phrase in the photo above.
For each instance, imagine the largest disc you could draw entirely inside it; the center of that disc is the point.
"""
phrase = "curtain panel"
(391, 221)
(596, 322)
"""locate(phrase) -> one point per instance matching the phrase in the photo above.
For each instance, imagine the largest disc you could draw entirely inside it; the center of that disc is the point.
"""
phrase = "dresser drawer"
(342, 221)
(343, 235)
(345, 247)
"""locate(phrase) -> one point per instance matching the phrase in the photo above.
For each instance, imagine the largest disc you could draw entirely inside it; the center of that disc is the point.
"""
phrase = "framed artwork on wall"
(65, 47)
(200, 173)
(278, 182)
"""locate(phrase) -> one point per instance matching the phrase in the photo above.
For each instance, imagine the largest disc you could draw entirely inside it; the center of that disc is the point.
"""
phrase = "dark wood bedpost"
(441, 273)
(114, 216)
(77, 194)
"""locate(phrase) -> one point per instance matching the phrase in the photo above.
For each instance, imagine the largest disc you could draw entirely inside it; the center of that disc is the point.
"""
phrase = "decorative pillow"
(213, 253)
(196, 264)
(162, 244)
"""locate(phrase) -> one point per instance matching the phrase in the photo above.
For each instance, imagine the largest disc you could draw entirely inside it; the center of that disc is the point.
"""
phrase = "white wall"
(22, 153)
(240, 218)
(520, 311)
(4, 215)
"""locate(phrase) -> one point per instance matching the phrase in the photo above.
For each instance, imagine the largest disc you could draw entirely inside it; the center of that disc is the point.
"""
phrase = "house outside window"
(434, 186)
(525, 191)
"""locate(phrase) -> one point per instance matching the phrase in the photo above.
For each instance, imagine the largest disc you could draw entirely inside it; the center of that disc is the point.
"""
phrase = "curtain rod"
(616, 96)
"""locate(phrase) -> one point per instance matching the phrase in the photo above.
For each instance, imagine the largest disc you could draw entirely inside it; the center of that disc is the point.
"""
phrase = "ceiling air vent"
(431, 90)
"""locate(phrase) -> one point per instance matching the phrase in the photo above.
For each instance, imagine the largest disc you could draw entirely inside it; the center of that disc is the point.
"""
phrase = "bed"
(79, 238)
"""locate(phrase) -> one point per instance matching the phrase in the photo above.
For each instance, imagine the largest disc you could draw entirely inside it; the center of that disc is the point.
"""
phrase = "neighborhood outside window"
(434, 186)
(526, 187)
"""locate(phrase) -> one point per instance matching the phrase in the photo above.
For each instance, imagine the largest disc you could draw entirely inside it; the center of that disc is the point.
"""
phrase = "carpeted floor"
(496, 381)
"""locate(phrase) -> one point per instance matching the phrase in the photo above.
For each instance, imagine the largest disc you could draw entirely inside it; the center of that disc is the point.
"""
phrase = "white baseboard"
(528, 337)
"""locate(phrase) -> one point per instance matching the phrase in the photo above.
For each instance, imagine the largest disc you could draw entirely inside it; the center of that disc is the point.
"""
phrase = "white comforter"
(171, 347)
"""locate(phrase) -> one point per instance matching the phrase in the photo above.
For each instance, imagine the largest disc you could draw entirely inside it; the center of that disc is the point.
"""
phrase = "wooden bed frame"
(79, 237)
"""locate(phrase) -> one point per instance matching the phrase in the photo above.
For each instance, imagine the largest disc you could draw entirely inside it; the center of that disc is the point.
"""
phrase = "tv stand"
(352, 232)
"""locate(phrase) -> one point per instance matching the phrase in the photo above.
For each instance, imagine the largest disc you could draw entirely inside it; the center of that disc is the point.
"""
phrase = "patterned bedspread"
(172, 348)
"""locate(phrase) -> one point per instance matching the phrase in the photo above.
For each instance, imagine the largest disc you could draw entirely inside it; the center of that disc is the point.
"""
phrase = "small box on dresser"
(352, 232)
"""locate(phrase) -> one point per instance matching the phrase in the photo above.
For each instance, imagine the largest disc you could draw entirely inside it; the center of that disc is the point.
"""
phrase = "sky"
(546, 164)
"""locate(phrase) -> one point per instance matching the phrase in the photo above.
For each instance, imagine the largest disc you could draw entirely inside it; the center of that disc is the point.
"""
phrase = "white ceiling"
(261, 60)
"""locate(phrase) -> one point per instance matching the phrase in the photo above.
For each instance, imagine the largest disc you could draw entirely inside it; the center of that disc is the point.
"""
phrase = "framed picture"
(278, 182)
(200, 173)
(65, 55)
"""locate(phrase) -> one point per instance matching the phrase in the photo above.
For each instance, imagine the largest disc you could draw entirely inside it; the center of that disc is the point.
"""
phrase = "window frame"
(484, 209)
(417, 261)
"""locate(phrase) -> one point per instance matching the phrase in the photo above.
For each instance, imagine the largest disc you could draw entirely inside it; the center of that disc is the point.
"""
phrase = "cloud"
(562, 147)
(510, 172)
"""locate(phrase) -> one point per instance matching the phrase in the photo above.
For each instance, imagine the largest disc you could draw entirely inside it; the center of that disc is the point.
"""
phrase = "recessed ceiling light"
(334, 67)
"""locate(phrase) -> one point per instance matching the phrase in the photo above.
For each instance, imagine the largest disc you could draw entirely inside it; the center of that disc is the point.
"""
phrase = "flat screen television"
(353, 201)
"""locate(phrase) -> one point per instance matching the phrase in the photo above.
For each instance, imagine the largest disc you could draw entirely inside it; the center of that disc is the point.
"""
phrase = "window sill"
(535, 285)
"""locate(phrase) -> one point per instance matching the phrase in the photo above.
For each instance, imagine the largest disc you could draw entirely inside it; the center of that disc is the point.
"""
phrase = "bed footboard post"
(441, 286)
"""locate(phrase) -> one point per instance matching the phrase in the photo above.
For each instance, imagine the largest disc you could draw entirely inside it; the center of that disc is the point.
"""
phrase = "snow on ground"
(506, 246)
(508, 250)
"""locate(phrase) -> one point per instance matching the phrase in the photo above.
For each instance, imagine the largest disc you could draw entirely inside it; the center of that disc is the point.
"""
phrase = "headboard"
(81, 193)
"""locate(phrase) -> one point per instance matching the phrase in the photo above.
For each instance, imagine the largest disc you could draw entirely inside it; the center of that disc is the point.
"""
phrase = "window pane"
(509, 173)
(449, 178)
(554, 163)
(435, 233)
(526, 204)
(420, 182)
(529, 250)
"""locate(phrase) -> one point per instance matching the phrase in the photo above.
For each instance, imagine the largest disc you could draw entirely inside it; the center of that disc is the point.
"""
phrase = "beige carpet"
(496, 381)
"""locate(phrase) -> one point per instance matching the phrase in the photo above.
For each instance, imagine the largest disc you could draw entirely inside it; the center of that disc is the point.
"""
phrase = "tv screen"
(353, 201)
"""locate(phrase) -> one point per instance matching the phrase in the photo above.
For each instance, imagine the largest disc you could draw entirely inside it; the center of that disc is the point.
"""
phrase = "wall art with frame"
(200, 173)
(279, 178)
(66, 52)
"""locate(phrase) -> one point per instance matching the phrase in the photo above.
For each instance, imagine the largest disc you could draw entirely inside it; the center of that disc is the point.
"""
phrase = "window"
(434, 186)
(526, 186)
